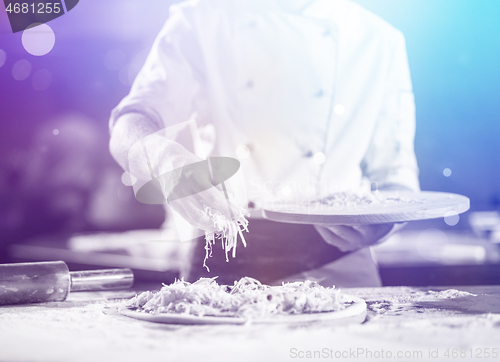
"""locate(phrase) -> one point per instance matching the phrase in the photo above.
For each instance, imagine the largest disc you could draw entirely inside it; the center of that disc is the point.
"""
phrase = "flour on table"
(446, 294)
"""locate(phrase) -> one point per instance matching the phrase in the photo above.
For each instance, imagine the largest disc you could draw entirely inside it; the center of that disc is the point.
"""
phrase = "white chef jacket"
(320, 98)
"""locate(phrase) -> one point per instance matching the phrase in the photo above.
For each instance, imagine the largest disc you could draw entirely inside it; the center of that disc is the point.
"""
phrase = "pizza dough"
(247, 299)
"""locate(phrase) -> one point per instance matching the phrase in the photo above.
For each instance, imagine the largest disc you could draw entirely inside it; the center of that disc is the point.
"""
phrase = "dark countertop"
(426, 256)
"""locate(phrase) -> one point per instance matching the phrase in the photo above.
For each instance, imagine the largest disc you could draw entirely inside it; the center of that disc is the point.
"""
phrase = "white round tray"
(398, 207)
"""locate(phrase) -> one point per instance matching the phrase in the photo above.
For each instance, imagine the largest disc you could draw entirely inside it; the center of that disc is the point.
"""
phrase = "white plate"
(421, 206)
(353, 313)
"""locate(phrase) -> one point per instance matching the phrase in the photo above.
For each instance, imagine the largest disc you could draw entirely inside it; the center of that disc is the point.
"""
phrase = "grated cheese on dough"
(247, 298)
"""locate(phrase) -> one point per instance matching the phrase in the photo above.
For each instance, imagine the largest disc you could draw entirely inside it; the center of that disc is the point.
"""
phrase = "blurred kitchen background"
(57, 178)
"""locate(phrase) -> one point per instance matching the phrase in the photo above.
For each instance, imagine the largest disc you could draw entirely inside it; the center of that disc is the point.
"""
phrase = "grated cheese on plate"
(349, 200)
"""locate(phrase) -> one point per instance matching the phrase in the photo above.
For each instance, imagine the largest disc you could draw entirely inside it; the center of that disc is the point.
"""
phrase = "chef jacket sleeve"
(165, 88)
(390, 160)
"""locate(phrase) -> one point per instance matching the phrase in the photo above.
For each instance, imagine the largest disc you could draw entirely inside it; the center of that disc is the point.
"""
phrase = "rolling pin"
(52, 281)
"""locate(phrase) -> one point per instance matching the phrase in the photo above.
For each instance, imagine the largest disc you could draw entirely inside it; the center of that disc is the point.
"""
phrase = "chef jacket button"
(339, 109)
(326, 32)
(319, 158)
(320, 93)
(255, 204)
(242, 152)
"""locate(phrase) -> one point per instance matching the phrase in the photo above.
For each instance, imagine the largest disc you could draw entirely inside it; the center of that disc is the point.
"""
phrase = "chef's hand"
(147, 154)
(351, 238)
(166, 155)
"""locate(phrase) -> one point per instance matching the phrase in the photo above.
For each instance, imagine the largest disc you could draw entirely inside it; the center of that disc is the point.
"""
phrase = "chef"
(314, 97)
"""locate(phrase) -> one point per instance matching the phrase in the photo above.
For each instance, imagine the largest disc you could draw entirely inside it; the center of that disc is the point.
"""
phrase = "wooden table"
(407, 323)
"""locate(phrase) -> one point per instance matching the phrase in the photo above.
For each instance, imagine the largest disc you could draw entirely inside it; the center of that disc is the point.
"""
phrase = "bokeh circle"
(38, 40)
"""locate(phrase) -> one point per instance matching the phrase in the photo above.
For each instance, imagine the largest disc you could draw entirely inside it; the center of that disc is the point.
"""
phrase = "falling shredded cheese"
(226, 230)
